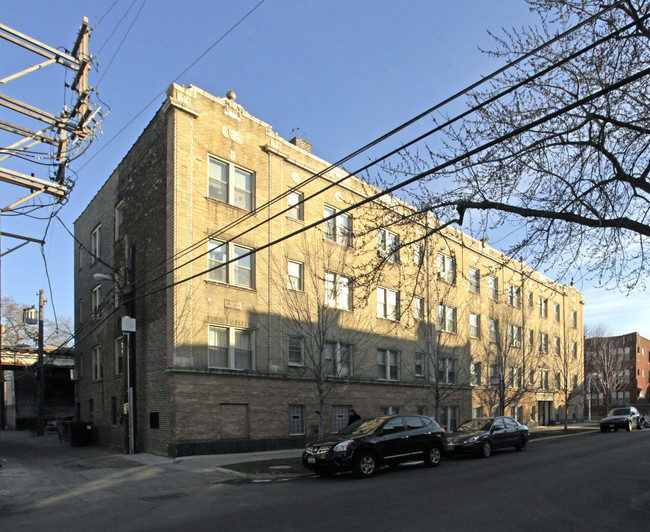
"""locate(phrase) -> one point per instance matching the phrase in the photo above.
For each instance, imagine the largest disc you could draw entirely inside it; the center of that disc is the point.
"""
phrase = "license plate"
(311, 459)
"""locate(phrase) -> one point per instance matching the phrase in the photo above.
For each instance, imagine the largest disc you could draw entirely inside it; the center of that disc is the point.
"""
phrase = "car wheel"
(365, 465)
(432, 456)
(628, 427)
(521, 446)
(486, 449)
(603, 428)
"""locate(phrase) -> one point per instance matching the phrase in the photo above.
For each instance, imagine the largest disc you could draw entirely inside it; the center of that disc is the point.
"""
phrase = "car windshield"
(475, 424)
(619, 412)
(363, 427)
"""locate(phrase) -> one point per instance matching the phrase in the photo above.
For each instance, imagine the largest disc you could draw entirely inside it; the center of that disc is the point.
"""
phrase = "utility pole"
(40, 385)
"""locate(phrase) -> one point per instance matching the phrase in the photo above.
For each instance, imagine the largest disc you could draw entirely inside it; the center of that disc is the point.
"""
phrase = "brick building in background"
(244, 342)
(617, 369)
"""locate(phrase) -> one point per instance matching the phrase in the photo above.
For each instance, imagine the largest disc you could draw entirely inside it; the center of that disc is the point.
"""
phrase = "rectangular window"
(339, 228)
(530, 300)
(294, 273)
(474, 325)
(390, 410)
(514, 296)
(531, 338)
(514, 334)
(418, 308)
(119, 355)
(417, 254)
(543, 307)
(543, 379)
(574, 350)
(474, 280)
(388, 303)
(515, 377)
(494, 330)
(388, 245)
(96, 300)
(154, 420)
(447, 368)
(296, 420)
(230, 348)
(337, 359)
(574, 319)
(119, 219)
(95, 244)
(240, 272)
(556, 312)
(477, 412)
(388, 365)
(338, 291)
(340, 416)
(296, 351)
(475, 374)
(446, 268)
(295, 204)
(447, 318)
(543, 342)
(231, 184)
(419, 364)
(558, 381)
(97, 363)
(449, 418)
(493, 288)
(556, 346)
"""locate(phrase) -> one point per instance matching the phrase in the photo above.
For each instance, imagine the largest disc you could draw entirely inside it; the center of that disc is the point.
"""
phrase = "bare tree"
(17, 333)
(564, 153)
(327, 328)
(569, 371)
(608, 362)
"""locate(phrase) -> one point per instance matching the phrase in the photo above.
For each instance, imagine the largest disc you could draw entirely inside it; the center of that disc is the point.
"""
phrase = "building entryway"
(544, 409)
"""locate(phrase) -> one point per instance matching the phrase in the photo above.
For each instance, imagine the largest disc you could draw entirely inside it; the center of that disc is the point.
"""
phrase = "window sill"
(219, 202)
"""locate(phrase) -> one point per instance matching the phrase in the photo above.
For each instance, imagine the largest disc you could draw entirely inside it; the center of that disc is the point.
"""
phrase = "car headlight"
(343, 446)
(473, 439)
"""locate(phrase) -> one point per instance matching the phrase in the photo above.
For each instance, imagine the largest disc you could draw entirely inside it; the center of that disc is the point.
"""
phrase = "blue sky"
(337, 73)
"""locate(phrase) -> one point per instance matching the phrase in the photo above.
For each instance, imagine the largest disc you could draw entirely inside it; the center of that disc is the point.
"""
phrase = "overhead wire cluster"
(168, 267)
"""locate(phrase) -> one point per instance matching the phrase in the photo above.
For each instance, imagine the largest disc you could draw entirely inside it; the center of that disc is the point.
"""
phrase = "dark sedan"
(621, 418)
(483, 435)
(368, 444)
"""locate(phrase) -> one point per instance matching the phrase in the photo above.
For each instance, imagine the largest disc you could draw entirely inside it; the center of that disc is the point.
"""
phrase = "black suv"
(368, 444)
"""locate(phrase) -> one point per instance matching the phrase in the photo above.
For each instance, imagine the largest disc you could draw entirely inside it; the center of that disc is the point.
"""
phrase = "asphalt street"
(584, 482)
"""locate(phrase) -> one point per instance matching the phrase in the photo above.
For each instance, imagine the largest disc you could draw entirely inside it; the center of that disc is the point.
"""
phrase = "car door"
(392, 441)
(512, 431)
(416, 438)
(498, 433)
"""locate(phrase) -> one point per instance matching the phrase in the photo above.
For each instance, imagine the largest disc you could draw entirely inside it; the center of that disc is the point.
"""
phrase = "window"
(295, 204)
(447, 318)
(388, 365)
(96, 300)
(530, 300)
(388, 245)
(449, 418)
(95, 244)
(339, 228)
(574, 319)
(390, 410)
(446, 268)
(337, 359)
(514, 334)
(340, 416)
(338, 291)
(493, 288)
(558, 381)
(419, 364)
(231, 184)
(543, 379)
(296, 420)
(574, 350)
(447, 370)
(119, 219)
(296, 351)
(531, 338)
(556, 312)
(495, 375)
(474, 280)
(119, 355)
(97, 363)
(477, 412)
(417, 254)
(556, 346)
(294, 273)
(475, 374)
(418, 308)
(154, 420)
(494, 330)
(387, 303)
(240, 272)
(230, 348)
(474, 325)
(514, 296)
(543, 342)
(543, 307)
(515, 377)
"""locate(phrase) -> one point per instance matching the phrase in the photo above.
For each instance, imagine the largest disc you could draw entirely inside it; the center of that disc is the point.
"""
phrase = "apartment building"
(617, 373)
(271, 293)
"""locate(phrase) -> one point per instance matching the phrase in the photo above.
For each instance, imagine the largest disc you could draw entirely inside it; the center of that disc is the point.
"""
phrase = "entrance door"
(544, 408)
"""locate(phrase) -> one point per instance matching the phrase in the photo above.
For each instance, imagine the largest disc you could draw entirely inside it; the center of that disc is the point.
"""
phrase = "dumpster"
(82, 433)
